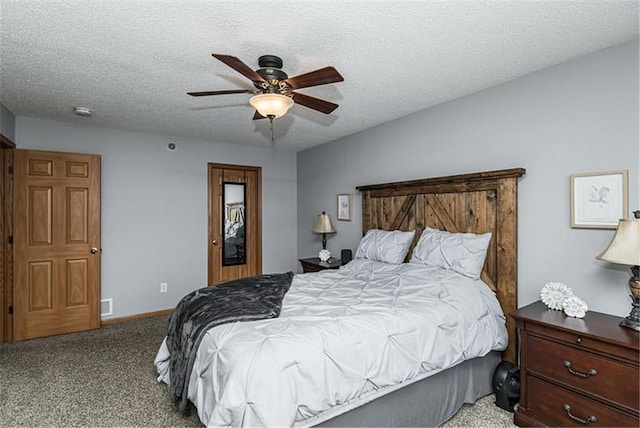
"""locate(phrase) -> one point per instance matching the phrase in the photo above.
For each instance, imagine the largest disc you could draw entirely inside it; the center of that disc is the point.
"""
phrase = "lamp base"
(629, 323)
(633, 320)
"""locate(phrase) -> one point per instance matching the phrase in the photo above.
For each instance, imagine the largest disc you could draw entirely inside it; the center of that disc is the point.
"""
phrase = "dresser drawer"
(584, 341)
(559, 405)
(309, 267)
(316, 265)
(612, 380)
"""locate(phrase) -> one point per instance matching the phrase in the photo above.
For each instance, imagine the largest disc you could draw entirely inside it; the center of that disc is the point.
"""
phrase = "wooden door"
(234, 257)
(56, 243)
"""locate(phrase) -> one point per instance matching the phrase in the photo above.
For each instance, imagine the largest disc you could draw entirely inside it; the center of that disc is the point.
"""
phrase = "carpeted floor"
(106, 378)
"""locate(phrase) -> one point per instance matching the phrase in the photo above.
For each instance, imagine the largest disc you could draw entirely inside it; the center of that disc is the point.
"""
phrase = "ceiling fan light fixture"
(271, 105)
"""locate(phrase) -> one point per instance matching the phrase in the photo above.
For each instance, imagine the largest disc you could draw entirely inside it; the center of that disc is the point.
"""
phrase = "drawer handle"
(589, 420)
(590, 372)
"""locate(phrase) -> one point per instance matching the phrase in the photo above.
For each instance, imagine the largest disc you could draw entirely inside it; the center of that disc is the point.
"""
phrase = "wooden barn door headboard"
(478, 203)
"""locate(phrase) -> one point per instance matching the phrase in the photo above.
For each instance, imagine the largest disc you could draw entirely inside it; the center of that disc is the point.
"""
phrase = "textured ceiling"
(133, 61)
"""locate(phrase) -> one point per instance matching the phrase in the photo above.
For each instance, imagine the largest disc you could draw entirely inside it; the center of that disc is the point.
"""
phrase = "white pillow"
(385, 246)
(461, 252)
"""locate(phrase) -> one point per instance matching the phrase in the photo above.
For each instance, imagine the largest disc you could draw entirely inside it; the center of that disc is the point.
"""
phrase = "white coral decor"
(553, 294)
(575, 307)
(324, 255)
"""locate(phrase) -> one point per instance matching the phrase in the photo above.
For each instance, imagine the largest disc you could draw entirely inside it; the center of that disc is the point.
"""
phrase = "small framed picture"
(344, 207)
(599, 199)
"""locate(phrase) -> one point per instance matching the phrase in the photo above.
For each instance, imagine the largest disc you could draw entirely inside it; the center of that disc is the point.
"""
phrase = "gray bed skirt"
(427, 403)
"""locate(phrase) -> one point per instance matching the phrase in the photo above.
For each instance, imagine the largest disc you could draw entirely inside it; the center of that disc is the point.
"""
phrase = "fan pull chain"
(271, 124)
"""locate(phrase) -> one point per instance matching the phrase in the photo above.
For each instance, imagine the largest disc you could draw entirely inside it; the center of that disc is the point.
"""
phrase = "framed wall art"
(345, 211)
(599, 199)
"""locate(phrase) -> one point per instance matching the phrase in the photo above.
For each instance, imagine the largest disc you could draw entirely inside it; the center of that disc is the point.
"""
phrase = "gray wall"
(7, 123)
(580, 116)
(154, 207)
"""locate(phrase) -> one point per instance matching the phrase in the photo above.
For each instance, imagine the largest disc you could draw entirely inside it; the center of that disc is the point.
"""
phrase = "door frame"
(210, 208)
(6, 230)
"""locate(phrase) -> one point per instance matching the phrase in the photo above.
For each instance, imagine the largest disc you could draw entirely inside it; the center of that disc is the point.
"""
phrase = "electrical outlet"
(163, 287)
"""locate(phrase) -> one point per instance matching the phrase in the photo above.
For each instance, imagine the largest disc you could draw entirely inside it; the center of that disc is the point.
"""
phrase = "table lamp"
(324, 226)
(624, 249)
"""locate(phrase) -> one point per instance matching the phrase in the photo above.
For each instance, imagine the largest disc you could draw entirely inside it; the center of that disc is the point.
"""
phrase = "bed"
(358, 346)
(234, 239)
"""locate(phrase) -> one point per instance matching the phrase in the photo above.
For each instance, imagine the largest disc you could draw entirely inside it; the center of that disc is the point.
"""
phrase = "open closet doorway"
(235, 222)
(6, 232)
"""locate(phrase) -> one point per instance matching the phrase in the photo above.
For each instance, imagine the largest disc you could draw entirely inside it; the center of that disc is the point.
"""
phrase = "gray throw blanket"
(246, 299)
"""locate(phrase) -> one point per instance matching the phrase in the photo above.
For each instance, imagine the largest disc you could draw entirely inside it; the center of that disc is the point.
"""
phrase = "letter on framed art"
(599, 199)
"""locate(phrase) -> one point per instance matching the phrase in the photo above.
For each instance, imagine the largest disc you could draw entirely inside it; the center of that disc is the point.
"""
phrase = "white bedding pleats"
(343, 338)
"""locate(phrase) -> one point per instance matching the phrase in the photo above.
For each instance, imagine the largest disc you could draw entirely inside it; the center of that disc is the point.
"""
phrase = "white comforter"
(343, 338)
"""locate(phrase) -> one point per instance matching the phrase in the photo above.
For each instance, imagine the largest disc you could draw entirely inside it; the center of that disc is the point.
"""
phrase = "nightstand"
(314, 264)
(576, 371)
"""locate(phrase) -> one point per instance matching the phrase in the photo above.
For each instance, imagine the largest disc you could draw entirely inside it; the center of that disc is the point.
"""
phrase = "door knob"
(214, 242)
(94, 250)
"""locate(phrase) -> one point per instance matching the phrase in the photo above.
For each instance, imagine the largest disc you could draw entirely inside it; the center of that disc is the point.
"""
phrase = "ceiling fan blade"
(323, 106)
(315, 78)
(239, 66)
(258, 116)
(230, 91)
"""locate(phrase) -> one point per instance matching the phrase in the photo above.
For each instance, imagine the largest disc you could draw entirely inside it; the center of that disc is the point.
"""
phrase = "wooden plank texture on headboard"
(478, 203)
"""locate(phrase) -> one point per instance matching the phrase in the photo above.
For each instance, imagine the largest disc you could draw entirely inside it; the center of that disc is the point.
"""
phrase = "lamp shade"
(624, 248)
(323, 224)
(271, 105)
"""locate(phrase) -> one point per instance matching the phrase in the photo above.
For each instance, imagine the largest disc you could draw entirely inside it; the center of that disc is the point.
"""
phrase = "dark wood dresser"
(314, 264)
(576, 372)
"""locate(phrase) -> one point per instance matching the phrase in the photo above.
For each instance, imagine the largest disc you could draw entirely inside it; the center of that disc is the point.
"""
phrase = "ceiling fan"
(274, 90)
